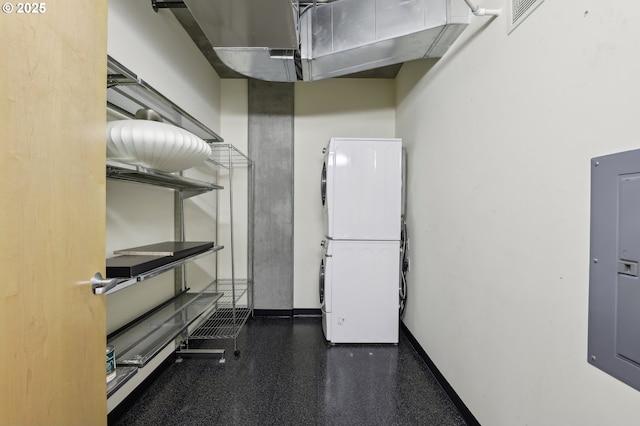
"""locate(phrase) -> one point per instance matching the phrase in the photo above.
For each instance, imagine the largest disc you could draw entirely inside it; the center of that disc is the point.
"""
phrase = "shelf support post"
(180, 273)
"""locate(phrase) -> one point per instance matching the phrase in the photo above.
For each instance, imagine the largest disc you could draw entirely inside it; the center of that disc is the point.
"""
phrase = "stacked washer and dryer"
(361, 190)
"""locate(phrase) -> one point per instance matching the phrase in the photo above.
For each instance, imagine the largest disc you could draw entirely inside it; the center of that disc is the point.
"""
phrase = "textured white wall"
(499, 134)
(326, 109)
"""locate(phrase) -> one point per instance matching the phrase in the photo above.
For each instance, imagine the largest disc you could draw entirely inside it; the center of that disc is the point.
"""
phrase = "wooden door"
(52, 217)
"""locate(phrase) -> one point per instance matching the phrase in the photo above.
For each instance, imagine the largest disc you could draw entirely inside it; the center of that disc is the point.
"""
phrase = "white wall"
(326, 109)
(234, 119)
(499, 134)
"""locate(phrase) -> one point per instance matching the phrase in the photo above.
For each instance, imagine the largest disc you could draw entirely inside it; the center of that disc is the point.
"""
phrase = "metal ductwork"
(285, 40)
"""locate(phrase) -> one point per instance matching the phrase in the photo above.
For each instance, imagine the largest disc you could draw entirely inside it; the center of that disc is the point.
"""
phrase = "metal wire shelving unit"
(224, 315)
(236, 305)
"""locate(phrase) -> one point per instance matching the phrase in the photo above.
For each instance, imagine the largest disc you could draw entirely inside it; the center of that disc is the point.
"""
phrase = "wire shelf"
(225, 286)
(222, 324)
(227, 320)
(224, 155)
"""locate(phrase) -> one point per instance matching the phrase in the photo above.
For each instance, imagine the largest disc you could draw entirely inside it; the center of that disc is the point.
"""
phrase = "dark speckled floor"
(288, 375)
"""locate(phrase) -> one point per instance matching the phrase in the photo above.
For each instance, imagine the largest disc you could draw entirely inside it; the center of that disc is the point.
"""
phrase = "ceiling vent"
(519, 10)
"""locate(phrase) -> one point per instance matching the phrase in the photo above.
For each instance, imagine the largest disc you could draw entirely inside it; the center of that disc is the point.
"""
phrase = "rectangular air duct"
(349, 36)
(287, 42)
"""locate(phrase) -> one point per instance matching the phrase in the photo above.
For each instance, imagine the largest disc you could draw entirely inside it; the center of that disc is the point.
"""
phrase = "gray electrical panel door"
(628, 300)
(614, 286)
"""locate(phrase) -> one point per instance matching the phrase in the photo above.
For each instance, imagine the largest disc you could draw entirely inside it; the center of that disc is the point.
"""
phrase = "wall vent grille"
(519, 10)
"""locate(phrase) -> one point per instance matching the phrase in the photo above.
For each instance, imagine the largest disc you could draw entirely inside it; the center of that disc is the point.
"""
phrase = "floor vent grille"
(520, 10)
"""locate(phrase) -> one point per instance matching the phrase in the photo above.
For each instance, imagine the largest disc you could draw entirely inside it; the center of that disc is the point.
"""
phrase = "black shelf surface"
(147, 258)
(177, 249)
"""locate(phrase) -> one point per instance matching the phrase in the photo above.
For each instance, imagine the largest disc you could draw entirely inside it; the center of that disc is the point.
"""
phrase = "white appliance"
(361, 189)
(359, 291)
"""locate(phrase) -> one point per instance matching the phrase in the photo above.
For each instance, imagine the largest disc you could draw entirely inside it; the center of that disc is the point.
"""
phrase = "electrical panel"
(614, 285)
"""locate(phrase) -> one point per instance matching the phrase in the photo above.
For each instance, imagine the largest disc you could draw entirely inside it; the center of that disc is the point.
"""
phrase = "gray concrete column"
(271, 147)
